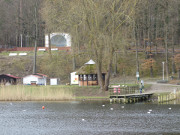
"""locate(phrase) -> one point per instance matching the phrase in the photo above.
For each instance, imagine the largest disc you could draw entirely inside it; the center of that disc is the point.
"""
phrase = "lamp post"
(21, 40)
(163, 69)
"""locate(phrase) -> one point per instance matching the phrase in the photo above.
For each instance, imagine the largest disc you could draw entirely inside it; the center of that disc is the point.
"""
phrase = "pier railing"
(119, 90)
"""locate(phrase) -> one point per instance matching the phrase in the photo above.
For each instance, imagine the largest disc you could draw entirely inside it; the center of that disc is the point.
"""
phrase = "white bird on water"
(122, 106)
(103, 105)
(83, 119)
(111, 108)
(169, 108)
(149, 112)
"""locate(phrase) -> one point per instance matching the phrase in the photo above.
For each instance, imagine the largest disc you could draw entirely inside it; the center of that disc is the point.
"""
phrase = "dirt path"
(158, 87)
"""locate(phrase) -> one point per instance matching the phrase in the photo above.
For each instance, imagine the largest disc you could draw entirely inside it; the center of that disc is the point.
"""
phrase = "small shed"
(54, 81)
(8, 79)
(35, 79)
(88, 74)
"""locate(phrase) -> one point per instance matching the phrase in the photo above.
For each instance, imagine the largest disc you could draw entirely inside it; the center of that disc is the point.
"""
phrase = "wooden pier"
(127, 94)
(130, 98)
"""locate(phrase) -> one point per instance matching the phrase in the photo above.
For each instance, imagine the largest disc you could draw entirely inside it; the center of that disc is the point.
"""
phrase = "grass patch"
(86, 97)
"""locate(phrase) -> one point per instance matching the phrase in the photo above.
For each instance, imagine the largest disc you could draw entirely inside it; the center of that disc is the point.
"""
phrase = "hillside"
(23, 65)
(18, 66)
(61, 65)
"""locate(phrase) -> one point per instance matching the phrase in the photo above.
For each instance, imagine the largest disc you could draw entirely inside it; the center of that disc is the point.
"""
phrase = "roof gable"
(90, 62)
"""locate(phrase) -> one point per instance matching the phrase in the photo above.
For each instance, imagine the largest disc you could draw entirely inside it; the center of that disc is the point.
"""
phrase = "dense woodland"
(18, 21)
(122, 36)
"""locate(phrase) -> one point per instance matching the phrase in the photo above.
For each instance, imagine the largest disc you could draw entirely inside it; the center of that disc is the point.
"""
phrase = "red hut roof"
(38, 75)
(12, 76)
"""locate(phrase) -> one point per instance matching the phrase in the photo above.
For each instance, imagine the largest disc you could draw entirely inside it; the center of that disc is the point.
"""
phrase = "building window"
(89, 77)
(94, 77)
(80, 77)
(85, 78)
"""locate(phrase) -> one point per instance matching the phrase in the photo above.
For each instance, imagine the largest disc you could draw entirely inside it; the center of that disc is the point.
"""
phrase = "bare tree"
(101, 22)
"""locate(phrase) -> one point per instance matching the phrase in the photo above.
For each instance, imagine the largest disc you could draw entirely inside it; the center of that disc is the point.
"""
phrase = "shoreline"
(21, 93)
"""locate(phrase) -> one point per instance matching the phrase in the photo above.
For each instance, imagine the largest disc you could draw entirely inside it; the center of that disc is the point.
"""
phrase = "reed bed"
(35, 93)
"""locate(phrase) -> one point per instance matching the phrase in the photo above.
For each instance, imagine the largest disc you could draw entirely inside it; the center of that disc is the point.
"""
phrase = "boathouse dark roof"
(7, 78)
(9, 75)
(88, 69)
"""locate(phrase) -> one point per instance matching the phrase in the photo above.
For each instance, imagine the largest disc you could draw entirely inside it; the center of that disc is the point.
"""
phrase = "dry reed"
(34, 93)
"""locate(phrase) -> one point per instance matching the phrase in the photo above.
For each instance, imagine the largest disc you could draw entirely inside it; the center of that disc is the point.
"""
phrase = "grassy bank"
(49, 93)
(56, 93)
(29, 93)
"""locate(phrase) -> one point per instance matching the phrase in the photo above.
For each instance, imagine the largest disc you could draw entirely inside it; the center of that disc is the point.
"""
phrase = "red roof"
(37, 76)
(40, 74)
(12, 76)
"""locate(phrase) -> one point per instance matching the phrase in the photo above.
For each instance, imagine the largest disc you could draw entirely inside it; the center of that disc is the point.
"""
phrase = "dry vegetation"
(35, 93)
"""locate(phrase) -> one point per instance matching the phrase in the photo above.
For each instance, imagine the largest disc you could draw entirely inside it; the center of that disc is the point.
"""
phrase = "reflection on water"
(88, 118)
(175, 102)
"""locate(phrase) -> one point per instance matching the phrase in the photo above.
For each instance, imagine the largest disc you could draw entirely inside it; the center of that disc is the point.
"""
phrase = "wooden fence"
(123, 90)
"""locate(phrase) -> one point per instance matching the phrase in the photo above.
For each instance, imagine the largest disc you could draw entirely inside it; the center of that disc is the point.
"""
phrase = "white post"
(21, 40)
(163, 69)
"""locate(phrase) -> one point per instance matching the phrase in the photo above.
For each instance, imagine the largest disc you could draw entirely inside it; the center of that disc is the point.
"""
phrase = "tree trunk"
(137, 59)
(99, 73)
(36, 32)
(115, 64)
(136, 40)
(151, 71)
(173, 63)
(74, 62)
(49, 41)
(20, 22)
(166, 40)
(107, 78)
(166, 52)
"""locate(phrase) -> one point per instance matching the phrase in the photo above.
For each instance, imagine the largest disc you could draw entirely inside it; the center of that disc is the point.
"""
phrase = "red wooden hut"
(7, 79)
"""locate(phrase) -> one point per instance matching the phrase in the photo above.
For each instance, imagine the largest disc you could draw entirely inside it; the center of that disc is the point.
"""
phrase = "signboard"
(137, 74)
(74, 78)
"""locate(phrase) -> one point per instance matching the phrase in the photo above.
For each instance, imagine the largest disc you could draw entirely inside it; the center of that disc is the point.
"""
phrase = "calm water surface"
(88, 118)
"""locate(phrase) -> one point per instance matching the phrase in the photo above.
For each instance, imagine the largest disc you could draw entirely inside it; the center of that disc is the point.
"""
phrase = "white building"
(35, 79)
(54, 81)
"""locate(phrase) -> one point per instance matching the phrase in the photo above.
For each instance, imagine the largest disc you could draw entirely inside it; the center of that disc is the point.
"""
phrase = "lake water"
(88, 118)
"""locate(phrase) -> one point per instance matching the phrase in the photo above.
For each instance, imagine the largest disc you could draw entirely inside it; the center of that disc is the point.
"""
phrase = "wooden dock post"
(111, 100)
(119, 100)
(126, 100)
